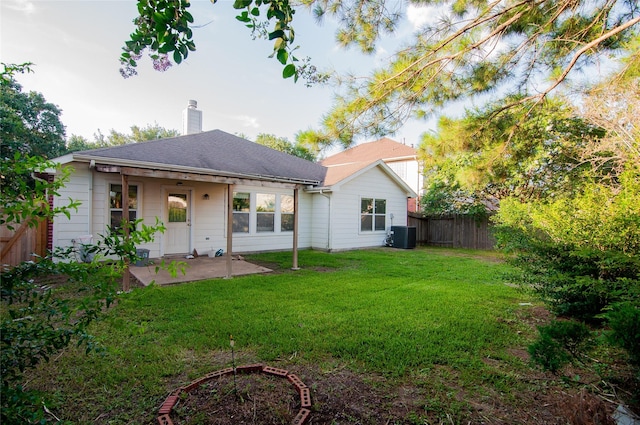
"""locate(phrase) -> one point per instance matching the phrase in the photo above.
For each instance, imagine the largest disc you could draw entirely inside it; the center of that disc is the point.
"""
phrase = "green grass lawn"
(401, 315)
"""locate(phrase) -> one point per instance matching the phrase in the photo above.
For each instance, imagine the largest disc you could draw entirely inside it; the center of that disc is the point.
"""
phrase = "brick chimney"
(191, 119)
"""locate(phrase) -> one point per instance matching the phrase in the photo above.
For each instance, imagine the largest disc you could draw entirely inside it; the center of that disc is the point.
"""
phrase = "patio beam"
(175, 175)
(125, 219)
(229, 230)
(295, 230)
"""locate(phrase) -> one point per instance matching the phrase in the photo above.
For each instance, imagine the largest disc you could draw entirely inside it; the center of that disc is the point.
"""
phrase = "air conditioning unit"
(404, 237)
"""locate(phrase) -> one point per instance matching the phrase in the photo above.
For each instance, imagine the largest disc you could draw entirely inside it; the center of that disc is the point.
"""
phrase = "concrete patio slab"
(199, 268)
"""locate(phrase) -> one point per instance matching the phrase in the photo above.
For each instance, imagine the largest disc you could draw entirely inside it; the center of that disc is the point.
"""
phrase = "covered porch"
(200, 268)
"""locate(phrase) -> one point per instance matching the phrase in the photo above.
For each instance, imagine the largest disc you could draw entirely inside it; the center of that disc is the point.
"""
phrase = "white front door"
(178, 222)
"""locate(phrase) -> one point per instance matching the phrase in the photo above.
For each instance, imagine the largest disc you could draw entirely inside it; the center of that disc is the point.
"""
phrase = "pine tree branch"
(586, 48)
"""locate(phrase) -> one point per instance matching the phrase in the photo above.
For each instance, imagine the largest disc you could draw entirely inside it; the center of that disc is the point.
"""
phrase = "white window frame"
(271, 213)
(281, 214)
(138, 209)
(254, 213)
(248, 213)
(373, 215)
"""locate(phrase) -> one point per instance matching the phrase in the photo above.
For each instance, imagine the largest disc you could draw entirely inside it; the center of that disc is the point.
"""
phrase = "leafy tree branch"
(479, 50)
(29, 125)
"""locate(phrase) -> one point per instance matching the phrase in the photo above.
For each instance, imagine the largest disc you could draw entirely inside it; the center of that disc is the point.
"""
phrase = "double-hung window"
(373, 214)
(115, 205)
(241, 211)
(265, 212)
(286, 213)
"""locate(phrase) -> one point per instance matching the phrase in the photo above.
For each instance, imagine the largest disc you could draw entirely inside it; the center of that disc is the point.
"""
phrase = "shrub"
(580, 284)
(560, 342)
(624, 321)
(39, 318)
(580, 254)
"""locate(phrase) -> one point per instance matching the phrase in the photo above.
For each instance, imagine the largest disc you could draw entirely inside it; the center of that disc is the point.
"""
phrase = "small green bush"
(576, 283)
(548, 353)
(560, 342)
(624, 321)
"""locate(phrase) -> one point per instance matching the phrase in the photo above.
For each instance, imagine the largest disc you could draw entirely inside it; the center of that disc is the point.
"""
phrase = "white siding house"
(185, 182)
(342, 224)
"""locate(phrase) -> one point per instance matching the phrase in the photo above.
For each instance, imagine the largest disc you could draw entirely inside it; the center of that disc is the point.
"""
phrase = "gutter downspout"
(418, 187)
(92, 165)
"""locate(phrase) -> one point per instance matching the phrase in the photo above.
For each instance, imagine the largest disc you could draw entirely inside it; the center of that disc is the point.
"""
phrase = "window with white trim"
(265, 212)
(262, 212)
(115, 205)
(286, 213)
(373, 214)
(241, 211)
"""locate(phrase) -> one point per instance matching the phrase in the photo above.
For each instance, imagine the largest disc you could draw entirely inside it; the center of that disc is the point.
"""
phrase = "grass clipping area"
(381, 336)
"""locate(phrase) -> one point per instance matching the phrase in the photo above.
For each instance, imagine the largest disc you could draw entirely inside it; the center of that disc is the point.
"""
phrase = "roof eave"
(321, 189)
(401, 158)
(166, 167)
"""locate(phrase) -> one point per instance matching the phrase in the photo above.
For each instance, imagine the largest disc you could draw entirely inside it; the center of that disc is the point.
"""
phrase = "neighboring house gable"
(402, 159)
(385, 149)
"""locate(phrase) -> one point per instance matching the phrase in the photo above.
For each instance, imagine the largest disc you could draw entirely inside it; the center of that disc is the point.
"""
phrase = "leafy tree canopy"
(470, 49)
(545, 150)
(475, 49)
(283, 144)
(444, 196)
(29, 125)
(527, 153)
(151, 132)
(116, 138)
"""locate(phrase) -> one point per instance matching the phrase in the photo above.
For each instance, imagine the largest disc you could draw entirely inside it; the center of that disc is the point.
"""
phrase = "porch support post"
(229, 230)
(295, 229)
(125, 219)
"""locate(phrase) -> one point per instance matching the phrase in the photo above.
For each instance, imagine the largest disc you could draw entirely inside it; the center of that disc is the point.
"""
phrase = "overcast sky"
(75, 46)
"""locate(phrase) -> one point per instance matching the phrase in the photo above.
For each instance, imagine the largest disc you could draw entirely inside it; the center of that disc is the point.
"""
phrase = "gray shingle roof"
(216, 152)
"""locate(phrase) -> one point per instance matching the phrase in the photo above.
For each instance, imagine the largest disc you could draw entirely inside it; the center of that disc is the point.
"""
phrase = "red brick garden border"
(303, 390)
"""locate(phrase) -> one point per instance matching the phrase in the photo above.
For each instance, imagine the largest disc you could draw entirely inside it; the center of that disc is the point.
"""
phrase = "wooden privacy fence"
(19, 244)
(454, 231)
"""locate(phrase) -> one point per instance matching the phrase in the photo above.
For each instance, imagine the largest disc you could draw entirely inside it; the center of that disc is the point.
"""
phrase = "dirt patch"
(275, 268)
(247, 399)
(535, 316)
(323, 269)
(341, 396)
(338, 396)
